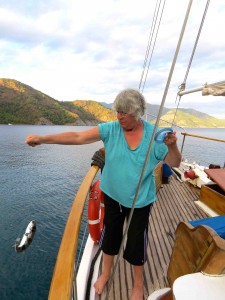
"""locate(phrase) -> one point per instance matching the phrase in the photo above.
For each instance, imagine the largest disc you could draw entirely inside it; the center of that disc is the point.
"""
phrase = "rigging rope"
(150, 146)
(149, 45)
(183, 84)
(147, 50)
(196, 42)
(153, 48)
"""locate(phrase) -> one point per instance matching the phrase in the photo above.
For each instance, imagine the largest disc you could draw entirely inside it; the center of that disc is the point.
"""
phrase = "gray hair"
(130, 101)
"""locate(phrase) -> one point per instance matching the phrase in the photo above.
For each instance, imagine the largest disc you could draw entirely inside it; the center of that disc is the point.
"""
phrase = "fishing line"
(150, 145)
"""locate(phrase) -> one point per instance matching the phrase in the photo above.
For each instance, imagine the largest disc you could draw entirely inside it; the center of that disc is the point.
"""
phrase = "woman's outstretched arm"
(65, 138)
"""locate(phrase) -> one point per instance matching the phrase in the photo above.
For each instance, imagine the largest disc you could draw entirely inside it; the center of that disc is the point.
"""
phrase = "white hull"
(82, 277)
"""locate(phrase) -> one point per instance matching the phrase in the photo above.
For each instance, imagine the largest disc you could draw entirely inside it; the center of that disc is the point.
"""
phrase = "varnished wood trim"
(61, 285)
(196, 249)
(213, 199)
(202, 137)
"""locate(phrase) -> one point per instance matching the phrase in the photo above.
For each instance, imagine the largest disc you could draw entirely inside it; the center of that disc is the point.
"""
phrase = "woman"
(126, 143)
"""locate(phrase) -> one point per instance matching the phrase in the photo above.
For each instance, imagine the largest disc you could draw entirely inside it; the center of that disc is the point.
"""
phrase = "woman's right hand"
(33, 140)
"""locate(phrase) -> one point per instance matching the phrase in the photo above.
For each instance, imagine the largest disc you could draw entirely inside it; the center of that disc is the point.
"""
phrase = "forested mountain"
(22, 104)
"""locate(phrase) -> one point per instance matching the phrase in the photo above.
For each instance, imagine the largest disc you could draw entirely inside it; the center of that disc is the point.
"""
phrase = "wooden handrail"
(62, 280)
(202, 137)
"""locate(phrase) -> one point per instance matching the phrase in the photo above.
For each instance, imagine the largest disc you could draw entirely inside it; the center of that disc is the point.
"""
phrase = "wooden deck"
(175, 203)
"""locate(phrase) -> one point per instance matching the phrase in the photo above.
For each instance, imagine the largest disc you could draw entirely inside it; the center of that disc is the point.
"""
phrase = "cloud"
(92, 49)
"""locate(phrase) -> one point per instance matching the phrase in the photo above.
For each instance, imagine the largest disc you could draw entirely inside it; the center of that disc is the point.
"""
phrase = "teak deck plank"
(175, 203)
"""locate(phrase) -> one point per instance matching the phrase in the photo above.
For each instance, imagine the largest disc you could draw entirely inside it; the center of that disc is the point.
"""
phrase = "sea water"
(35, 184)
(40, 184)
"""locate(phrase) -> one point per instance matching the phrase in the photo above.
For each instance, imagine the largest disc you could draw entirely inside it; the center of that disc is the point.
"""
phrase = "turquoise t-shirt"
(123, 166)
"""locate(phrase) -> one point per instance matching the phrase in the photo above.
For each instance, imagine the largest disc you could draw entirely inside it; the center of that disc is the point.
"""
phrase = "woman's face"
(127, 121)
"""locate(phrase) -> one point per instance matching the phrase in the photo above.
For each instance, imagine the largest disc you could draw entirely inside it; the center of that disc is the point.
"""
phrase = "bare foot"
(137, 294)
(100, 283)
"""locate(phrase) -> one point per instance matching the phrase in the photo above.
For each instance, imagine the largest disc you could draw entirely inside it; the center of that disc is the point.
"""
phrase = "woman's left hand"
(170, 139)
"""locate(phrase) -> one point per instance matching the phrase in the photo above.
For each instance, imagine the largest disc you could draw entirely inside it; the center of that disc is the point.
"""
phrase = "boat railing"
(63, 285)
(198, 136)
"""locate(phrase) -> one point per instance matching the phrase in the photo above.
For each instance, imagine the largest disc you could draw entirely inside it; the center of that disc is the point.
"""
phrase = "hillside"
(21, 104)
(191, 118)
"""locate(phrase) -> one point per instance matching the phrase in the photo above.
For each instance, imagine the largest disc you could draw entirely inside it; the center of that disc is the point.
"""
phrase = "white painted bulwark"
(82, 277)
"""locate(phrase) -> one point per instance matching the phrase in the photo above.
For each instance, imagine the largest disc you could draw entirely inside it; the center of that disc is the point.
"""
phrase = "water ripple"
(36, 183)
(40, 183)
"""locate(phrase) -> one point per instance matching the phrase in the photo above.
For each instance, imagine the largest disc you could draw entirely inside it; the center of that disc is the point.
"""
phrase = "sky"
(93, 49)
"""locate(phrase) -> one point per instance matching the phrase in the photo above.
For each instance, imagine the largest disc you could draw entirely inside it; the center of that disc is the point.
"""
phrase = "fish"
(23, 244)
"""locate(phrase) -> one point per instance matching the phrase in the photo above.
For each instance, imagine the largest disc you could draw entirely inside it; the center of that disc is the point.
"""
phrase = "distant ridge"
(185, 117)
(22, 104)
